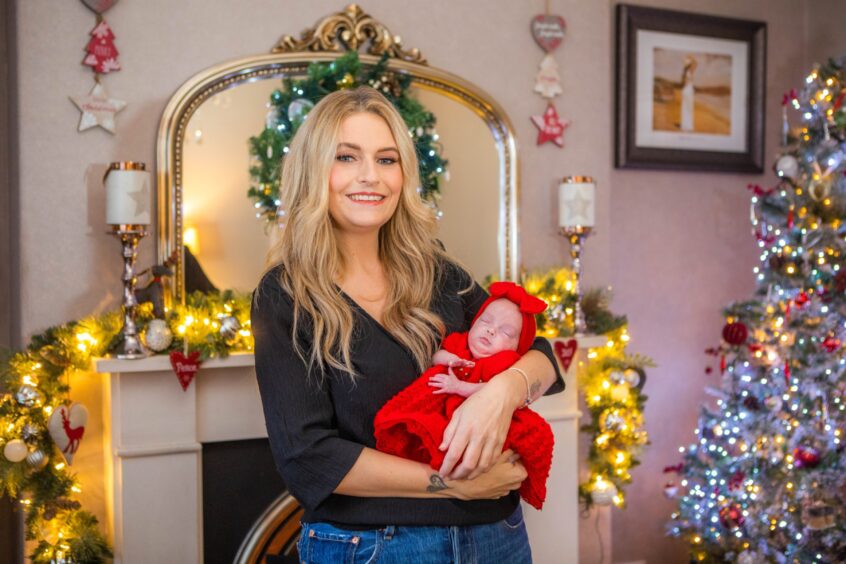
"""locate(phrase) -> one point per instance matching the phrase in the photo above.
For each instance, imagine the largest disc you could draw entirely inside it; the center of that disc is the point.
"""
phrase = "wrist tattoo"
(534, 389)
(436, 484)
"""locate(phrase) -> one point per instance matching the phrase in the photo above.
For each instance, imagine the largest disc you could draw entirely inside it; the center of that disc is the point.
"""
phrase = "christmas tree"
(766, 479)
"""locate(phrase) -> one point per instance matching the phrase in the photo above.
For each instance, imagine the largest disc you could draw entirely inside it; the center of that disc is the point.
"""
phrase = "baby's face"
(496, 330)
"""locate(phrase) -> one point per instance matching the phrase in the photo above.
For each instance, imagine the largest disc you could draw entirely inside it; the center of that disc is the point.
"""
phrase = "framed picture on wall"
(690, 91)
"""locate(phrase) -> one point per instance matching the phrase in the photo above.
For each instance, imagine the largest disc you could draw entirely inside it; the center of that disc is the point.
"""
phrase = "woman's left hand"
(476, 433)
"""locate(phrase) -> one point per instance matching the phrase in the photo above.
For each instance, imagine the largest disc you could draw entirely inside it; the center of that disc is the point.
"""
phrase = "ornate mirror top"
(348, 30)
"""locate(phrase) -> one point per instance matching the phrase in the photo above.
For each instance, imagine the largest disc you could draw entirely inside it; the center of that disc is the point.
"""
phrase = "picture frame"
(690, 91)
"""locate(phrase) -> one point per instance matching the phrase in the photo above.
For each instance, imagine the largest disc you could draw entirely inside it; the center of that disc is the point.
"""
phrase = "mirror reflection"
(220, 226)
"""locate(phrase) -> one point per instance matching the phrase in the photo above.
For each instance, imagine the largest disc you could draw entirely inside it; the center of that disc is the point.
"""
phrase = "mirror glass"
(219, 222)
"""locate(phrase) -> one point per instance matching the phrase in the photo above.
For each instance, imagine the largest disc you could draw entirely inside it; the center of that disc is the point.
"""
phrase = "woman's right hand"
(506, 475)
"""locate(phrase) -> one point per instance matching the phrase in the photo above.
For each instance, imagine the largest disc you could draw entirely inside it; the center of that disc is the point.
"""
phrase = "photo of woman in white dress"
(687, 94)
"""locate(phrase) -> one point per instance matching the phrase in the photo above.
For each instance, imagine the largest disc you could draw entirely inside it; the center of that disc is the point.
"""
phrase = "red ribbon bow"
(516, 294)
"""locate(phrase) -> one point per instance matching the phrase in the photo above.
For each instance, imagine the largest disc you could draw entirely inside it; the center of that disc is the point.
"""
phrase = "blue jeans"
(503, 542)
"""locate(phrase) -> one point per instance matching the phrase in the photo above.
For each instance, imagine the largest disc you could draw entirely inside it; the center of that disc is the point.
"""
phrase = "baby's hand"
(446, 383)
(459, 362)
(447, 358)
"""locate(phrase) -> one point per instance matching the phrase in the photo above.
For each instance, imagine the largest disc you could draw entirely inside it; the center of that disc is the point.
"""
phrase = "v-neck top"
(318, 426)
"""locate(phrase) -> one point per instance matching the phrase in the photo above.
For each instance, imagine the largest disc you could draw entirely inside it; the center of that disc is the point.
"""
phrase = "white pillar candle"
(576, 202)
(127, 194)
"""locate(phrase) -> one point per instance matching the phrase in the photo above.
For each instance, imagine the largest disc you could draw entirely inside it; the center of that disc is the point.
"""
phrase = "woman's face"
(366, 179)
(496, 330)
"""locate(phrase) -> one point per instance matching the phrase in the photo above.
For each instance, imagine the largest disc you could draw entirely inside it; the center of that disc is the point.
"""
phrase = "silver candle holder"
(576, 199)
(129, 236)
(128, 190)
(576, 235)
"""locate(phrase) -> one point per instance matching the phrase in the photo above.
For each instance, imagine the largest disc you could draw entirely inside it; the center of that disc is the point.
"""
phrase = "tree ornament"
(801, 299)
(616, 377)
(806, 457)
(735, 333)
(611, 420)
(102, 53)
(299, 109)
(633, 378)
(548, 31)
(37, 459)
(348, 81)
(671, 490)
(828, 156)
(30, 433)
(818, 515)
(731, 516)
(28, 396)
(15, 450)
(66, 427)
(550, 126)
(547, 81)
(229, 327)
(185, 367)
(603, 492)
(98, 110)
(773, 403)
(620, 392)
(565, 352)
(158, 335)
(787, 167)
(819, 188)
(831, 344)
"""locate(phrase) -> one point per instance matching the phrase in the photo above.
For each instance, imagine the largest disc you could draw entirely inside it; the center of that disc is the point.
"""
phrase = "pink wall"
(675, 246)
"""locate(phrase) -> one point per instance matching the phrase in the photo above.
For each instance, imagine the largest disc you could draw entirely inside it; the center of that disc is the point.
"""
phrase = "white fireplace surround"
(145, 483)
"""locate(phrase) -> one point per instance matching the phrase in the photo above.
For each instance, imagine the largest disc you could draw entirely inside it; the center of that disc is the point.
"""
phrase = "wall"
(675, 246)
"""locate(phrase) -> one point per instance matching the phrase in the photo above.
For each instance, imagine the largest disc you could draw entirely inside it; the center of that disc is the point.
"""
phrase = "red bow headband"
(528, 304)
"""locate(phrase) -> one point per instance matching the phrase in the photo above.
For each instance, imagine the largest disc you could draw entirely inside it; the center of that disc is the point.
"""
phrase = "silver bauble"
(229, 327)
(829, 156)
(787, 166)
(603, 493)
(299, 109)
(158, 335)
(30, 433)
(617, 377)
(37, 459)
(611, 420)
(632, 377)
(27, 396)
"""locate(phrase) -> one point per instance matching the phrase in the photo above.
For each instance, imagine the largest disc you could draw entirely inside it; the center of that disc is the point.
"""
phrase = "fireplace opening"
(248, 516)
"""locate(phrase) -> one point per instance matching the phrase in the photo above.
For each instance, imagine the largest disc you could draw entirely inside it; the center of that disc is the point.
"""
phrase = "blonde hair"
(312, 260)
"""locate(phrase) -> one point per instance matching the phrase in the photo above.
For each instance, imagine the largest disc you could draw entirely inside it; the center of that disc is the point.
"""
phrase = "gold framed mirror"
(203, 161)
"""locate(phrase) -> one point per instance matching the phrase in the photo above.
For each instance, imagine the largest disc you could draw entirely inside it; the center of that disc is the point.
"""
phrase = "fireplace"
(152, 453)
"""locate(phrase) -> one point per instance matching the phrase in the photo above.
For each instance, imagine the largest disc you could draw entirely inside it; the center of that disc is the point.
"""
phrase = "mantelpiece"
(148, 484)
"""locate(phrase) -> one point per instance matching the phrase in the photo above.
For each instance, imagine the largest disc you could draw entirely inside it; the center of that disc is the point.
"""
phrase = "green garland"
(55, 521)
(290, 104)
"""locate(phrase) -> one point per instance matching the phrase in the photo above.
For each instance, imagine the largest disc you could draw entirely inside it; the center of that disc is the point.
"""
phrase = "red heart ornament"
(185, 367)
(566, 352)
(66, 427)
(548, 31)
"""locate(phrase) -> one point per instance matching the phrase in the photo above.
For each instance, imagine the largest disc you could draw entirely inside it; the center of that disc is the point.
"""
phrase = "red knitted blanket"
(412, 423)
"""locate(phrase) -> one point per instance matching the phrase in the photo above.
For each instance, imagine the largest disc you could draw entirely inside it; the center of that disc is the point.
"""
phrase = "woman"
(687, 94)
(355, 301)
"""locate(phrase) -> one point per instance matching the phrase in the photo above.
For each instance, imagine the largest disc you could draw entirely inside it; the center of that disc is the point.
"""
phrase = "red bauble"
(831, 344)
(806, 457)
(731, 516)
(801, 299)
(735, 333)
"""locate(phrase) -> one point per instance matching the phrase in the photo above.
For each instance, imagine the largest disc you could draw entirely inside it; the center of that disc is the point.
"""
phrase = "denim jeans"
(503, 542)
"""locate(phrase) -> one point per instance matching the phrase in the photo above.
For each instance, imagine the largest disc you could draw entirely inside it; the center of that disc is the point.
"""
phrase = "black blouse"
(317, 431)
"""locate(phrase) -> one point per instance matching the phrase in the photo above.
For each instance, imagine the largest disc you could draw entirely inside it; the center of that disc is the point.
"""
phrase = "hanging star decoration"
(98, 110)
(550, 126)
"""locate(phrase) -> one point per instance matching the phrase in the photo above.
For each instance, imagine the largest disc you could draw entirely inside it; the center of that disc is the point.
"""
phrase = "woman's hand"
(505, 475)
(476, 433)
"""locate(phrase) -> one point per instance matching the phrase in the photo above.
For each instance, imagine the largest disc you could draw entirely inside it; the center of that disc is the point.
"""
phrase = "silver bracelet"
(528, 386)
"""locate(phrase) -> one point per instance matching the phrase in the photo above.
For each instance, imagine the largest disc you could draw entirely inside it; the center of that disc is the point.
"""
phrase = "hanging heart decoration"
(185, 367)
(548, 31)
(99, 6)
(566, 352)
(66, 427)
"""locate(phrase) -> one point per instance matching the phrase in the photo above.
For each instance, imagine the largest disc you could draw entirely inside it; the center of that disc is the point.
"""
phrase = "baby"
(412, 423)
